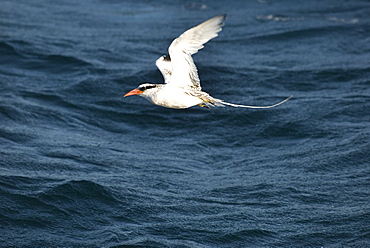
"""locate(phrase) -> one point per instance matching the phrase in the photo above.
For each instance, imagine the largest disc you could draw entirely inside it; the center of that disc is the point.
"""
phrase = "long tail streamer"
(256, 107)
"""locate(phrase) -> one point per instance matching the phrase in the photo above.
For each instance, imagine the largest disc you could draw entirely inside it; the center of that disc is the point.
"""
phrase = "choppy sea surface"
(81, 166)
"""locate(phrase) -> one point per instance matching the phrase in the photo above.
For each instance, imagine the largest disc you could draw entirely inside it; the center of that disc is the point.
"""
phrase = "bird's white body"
(182, 87)
(171, 96)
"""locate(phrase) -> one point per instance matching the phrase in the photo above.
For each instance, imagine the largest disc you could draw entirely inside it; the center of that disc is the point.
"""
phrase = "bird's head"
(142, 89)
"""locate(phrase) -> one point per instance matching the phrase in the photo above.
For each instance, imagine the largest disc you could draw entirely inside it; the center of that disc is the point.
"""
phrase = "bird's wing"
(164, 64)
(184, 72)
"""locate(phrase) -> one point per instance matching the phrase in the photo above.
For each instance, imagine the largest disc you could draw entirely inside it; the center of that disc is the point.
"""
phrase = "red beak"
(133, 92)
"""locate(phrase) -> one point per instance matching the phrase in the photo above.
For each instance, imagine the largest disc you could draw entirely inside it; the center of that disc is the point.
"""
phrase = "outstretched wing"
(164, 64)
(181, 68)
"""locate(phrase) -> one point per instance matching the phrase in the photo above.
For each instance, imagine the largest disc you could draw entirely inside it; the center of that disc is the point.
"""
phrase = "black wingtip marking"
(166, 57)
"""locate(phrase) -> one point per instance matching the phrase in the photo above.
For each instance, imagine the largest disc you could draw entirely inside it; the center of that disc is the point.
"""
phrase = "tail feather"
(255, 107)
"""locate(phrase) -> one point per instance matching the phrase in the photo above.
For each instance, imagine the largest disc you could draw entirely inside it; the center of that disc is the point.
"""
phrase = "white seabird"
(182, 85)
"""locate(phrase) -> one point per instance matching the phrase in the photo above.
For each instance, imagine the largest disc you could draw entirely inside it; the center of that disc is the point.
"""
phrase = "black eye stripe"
(145, 87)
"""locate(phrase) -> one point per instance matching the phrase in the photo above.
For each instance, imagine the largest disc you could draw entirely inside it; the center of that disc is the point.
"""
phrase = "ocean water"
(81, 166)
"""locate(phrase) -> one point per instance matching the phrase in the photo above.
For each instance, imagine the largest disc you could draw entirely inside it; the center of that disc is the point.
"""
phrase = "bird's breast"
(174, 97)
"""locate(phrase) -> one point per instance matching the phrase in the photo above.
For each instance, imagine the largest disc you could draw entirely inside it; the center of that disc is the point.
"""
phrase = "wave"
(8, 49)
(22, 59)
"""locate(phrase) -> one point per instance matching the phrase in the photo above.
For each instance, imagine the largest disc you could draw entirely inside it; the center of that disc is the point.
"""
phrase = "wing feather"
(164, 64)
(184, 71)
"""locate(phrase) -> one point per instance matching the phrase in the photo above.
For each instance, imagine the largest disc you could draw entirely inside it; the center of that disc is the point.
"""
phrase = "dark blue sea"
(82, 166)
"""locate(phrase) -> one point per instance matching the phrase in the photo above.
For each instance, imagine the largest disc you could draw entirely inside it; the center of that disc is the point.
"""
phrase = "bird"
(181, 88)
